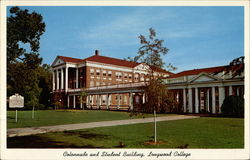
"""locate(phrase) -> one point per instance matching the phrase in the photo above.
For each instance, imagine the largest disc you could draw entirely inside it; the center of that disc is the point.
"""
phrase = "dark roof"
(198, 71)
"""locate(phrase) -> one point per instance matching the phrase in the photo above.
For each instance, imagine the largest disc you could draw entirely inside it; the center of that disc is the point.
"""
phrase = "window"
(125, 75)
(103, 83)
(109, 73)
(97, 83)
(104, 73)
(125, 99)
(137, 77)
(130, 76)
(118, 74)
(91, 83)
(98, 72)
(92, 71)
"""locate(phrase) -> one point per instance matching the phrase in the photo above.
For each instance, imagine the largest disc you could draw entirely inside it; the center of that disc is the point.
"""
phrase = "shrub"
(233, 106)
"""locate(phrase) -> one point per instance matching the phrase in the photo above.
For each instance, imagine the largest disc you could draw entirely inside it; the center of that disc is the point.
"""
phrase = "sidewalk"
(37, 130)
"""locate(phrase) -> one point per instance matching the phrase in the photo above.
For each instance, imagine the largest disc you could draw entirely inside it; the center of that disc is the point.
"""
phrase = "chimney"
(97, 52)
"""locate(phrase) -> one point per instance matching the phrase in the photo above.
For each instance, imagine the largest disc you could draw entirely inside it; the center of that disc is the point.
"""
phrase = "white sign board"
(16, 101)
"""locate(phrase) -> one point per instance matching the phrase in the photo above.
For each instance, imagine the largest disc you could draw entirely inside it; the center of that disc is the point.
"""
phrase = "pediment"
(204, 77)
(57, 61)
(142, 67)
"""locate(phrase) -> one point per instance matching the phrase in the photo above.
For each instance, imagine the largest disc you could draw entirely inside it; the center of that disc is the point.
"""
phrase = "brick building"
(71, 76)
(114, 84)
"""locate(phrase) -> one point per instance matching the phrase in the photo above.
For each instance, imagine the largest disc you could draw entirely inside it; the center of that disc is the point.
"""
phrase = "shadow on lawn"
(38, 141)
(85, 134)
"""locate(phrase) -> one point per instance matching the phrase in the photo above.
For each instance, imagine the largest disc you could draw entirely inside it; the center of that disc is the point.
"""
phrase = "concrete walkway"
(37, 130)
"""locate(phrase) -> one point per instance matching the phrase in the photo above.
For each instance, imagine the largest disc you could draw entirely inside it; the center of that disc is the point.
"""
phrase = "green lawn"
(189, 133)
(57, 117)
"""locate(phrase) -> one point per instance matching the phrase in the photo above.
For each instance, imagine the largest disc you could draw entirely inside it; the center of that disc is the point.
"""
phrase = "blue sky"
(197, 37)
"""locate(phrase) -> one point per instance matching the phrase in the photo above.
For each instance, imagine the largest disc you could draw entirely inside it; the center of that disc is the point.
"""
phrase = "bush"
(233, 106)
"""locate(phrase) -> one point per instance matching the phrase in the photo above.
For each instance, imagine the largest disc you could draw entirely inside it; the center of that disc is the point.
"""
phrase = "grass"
(57, 117)
(190, 133)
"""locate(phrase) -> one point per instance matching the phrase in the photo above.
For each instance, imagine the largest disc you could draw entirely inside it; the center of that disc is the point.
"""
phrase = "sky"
(197, 37)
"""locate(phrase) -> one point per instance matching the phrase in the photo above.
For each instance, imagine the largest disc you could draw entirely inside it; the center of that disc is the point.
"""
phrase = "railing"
(114, 86)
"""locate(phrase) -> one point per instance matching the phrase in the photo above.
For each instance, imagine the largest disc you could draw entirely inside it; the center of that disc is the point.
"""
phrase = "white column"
(62, 78)
(213, 100)
(81, 101)
(68, 101)
(237, 91)
(184, 101)
(221, 96)
(208, 103)
(230, 90)
(118, 107)
(190, 100)
(131, 101)
(143, 98)
(57, 79)
(66, 79)
(196, 101)
(107, 101)
(74, 101)
(76, 77)
(53, 79)
(98, 101)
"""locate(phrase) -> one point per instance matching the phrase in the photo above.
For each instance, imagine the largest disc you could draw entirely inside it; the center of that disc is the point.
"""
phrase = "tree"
(23, 28)
(23, 62)
(233, 106)
(161, 100)
(83, 96)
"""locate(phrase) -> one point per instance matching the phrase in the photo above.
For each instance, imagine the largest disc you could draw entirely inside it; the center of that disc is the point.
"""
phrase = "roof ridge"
(70, 57)
(111, 58)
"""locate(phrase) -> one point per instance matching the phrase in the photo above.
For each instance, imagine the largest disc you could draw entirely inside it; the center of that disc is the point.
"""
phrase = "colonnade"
(56, 77)
(108, 101)
(210, 101)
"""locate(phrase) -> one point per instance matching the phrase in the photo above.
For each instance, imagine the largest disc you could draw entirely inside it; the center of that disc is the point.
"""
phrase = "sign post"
(16, 101)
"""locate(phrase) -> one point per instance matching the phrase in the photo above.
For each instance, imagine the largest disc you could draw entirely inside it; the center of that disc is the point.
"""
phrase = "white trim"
(108, 66)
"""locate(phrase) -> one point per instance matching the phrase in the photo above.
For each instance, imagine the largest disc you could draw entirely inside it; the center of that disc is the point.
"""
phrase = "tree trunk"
(155, 125)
